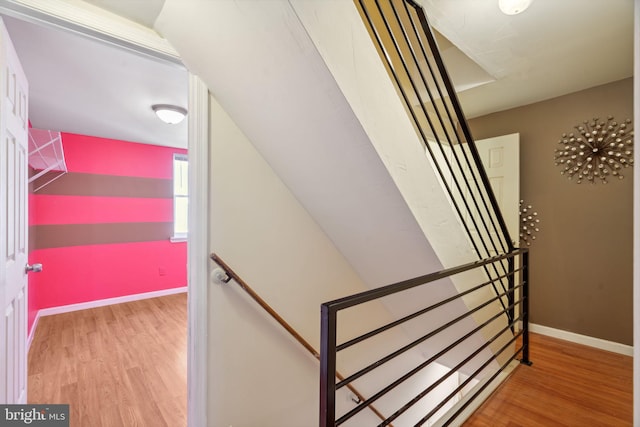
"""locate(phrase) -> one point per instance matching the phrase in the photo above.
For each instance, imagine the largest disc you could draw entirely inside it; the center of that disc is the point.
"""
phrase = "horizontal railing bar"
(366, 296)
(453, 370)
(421, 366)
(418, 313)
(414, 343)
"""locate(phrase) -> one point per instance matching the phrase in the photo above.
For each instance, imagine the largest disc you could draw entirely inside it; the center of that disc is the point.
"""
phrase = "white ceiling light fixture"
(513, 7)
(170, 114)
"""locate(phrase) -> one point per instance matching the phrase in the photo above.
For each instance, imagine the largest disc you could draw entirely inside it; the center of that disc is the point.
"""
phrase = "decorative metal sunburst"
(598, 151)
(528, 223)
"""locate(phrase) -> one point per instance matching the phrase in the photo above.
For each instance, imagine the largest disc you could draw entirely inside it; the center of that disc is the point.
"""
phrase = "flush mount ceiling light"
(170, 114)
(513, 7)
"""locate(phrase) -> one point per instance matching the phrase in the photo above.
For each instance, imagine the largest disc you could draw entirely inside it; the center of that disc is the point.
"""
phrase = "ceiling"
(82, 85)
(551, 49)
(497, 62)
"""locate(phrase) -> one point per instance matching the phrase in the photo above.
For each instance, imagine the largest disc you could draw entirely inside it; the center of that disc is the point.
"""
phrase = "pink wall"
(102, 230)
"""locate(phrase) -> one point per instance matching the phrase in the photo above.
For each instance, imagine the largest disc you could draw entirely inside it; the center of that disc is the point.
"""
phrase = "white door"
(501, 159)
(13, 224)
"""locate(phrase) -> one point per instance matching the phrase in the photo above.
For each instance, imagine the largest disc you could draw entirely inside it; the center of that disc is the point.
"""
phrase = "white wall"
(257, 374)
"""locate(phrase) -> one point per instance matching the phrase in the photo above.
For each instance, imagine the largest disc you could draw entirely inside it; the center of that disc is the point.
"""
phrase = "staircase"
(321, 189)
(491, 288)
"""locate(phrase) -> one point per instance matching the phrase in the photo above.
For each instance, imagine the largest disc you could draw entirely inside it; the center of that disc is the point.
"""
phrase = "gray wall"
(581, 272)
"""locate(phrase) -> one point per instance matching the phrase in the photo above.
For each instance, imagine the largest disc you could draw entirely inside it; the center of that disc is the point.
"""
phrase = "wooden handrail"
(262, 303)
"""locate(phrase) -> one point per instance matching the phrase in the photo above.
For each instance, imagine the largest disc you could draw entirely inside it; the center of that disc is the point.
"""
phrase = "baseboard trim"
(615, 347)
(33, 330)
(108, 301)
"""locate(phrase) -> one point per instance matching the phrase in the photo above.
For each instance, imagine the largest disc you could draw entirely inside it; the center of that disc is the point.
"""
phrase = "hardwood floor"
(118, 365)
(567, 385)
(125, 365)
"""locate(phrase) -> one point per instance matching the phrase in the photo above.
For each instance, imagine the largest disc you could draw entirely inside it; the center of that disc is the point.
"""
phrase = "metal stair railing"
(475, 362)
(409, 51)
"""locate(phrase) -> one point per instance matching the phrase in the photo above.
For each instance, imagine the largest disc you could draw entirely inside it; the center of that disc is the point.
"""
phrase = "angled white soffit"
(465, 73)
(259, 63)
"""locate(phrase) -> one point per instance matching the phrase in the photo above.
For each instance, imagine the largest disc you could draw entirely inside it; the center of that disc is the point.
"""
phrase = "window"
(180, 196)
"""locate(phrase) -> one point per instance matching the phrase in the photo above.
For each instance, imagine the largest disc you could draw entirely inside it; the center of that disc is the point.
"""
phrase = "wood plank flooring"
(567, 385)
(118, 365)
(125, 365)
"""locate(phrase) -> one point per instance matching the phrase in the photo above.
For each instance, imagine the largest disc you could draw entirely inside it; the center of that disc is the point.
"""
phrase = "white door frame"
(198, 252)
(90, 22)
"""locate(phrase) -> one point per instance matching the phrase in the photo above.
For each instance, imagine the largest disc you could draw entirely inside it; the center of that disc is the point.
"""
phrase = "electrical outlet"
(162, 271)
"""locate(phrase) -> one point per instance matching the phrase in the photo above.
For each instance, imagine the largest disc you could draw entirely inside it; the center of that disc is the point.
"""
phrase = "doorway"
(196, 359)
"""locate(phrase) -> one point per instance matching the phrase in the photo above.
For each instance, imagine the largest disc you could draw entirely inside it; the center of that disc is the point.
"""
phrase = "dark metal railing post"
(327, 366)
(525, 308)
(511, 283)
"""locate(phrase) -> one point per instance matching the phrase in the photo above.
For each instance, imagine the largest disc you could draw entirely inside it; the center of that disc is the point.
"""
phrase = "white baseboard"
(99, 303)
(33, 330)
(109, 301)
(615, 347)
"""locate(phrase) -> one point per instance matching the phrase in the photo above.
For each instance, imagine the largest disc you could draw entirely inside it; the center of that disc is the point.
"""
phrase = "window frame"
(180, 236)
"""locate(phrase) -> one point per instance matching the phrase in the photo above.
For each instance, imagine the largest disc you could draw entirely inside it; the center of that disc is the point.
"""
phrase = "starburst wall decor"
(529, 223)
(599, 151)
